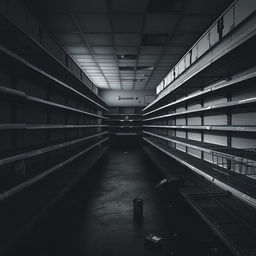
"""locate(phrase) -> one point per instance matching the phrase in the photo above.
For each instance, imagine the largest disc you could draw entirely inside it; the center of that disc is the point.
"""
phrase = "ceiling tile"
(95, 6)
(99, 39)
(146, 63)
(165, 5)
(175, 50)
(103, 50)
(102, 86)
(128, 6)
(127, 39)
(160, 23)
(196, 6)
(111, 61)
(151, 50)
(126, 62)
(148, 56)
(183, 39)
(126, 50)
(127, 23)
(88, 65)
(108, 65)
(139, 86)
(115, 87)
(196, 23)
(59, 22)
(84, 57)
(141, 28)
(105, 57)
(127, 87)
(111, 75)
(77, 50)
(91, 68)
(116, 78)
(69, 39)
(49, 6)
(94, 23)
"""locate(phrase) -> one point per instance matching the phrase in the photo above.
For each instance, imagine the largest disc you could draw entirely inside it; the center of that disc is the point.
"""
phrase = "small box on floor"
(161, 185)
(153, 241)
(173, 183)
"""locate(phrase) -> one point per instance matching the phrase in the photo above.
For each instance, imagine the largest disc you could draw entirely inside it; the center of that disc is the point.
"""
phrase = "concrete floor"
(97, 217)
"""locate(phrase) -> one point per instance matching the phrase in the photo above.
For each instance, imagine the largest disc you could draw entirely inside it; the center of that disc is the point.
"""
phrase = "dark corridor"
(96, 217)
(103, 102)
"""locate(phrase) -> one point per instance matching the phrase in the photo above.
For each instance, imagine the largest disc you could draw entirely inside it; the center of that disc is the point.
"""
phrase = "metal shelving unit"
(206, 127)
(39, 151)
(205, 51)
(12, 191)
(218, 107)
(213, 149)
(238, 183)
(205, 117)
(230, 219)
(237, 80)
(45, 126)
(14, 61)
(50, 56)
(49, 115)
(130, 124)
(124, 125)
(24, 97)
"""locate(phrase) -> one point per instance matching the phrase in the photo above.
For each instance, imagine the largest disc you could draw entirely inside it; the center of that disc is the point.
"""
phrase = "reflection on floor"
(96, 218)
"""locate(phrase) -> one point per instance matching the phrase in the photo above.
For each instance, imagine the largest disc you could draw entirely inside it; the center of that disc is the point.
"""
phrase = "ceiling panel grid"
(127, 44)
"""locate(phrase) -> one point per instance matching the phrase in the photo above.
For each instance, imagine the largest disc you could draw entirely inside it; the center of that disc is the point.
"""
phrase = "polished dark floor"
(97, 217)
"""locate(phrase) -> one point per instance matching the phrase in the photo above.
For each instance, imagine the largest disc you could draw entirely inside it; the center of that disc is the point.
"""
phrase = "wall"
(126, 98)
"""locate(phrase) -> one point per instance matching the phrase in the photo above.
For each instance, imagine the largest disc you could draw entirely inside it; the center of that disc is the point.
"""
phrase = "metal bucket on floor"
(138, 209)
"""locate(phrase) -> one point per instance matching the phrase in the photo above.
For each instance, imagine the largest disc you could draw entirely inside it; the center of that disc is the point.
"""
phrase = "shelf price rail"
(6, 194)
(240, 185)
(28, 67)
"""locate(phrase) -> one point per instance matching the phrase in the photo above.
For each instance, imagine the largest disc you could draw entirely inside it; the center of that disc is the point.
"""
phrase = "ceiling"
(127, 44)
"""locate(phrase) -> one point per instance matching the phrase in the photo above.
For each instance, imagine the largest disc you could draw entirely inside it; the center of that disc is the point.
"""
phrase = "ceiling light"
(132, 68)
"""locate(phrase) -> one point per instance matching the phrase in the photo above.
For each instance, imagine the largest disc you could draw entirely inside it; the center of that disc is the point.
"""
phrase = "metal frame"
(46, 173)
(233, 104)
(206, 127)
(233, 153)
(11, 159)
(30, 67)
(23, 96)
(204, 169)
(210, 90)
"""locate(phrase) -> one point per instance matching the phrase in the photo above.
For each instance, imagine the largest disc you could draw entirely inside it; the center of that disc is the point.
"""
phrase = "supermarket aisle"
(97, 217)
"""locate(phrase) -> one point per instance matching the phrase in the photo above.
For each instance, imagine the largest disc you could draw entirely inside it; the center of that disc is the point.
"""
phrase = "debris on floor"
(153, 241)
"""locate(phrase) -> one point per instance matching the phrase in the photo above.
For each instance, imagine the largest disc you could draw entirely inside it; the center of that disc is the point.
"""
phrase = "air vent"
(126, 56)
(133, 68)
(154, 39)
(127, 68)
(140, 80)
(146, 68)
